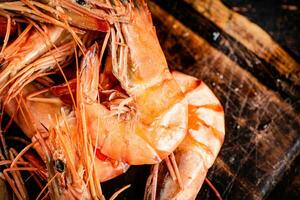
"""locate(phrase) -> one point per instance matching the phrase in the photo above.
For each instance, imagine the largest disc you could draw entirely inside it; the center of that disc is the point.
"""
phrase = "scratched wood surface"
(257, 119)
(257, 81)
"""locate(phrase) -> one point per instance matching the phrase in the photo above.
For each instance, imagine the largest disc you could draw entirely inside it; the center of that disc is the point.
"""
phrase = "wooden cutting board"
(255, 79)
(258, 84)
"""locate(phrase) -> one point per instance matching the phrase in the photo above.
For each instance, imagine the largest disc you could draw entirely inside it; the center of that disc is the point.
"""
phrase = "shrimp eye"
(59, 165)
(81, 2)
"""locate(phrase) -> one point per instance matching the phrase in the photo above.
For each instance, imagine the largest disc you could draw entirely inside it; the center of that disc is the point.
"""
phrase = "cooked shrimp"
(30, 45)
(57, 126)
(61, 13)
(156, 121)
(198, 151)
(49, 62)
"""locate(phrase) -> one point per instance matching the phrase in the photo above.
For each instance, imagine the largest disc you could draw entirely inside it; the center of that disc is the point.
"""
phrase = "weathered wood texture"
(242, 41)
(289, 186)
(279, 18)
(262, 130)
(248, 34)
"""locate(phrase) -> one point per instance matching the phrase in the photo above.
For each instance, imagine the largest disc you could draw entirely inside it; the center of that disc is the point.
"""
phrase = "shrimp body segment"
(198, 151)
(30, 45)
(156, 122)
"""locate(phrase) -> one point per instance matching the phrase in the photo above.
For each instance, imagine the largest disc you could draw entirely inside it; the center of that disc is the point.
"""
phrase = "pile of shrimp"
(88, 84)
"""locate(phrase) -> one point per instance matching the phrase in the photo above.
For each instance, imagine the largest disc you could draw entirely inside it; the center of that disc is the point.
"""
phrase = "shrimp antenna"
(117, 193)
(213, 188)
(24, 150)
(47, 185)
(63, 24)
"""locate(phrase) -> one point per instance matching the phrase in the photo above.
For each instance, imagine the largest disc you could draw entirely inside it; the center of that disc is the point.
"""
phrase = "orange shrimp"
(156, 116)
(30, 45)
(56, 125)
(47, 63)
(198, 151)
(62, 13)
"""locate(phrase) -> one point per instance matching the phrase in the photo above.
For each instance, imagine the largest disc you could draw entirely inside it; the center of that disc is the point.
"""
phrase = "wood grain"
(266, 71)
(289, 186)
(262, 130)
(250, 35)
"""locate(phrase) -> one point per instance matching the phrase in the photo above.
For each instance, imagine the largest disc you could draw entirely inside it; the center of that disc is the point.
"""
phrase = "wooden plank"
(262, 130)
(265, 70)
(289, 186)
(250, 35)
